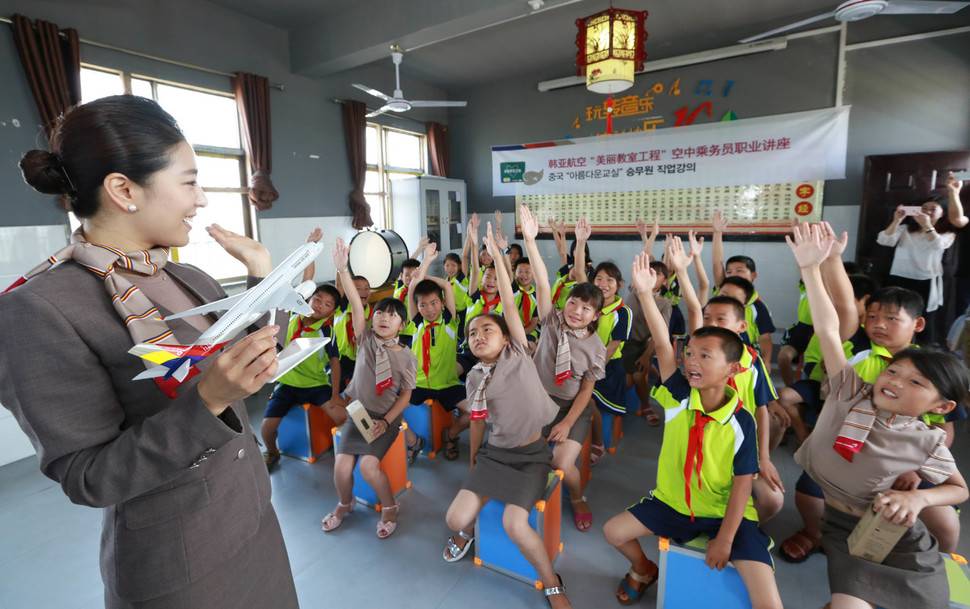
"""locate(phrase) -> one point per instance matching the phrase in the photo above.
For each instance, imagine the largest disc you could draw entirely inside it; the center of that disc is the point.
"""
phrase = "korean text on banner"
(797, 147)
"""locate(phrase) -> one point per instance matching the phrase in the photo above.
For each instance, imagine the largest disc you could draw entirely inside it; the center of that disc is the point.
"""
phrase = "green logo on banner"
(512, 172)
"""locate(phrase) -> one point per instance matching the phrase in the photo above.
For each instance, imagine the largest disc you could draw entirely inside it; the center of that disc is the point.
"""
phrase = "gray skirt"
(352, 443)
(912, 576)
(580, 428)
(514, 475)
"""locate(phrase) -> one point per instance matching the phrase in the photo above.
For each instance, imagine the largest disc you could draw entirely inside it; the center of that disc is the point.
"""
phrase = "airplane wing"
(291, 300)
(298, 350)
(219, 305)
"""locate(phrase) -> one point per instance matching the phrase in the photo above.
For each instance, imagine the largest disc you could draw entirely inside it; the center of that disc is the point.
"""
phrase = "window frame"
(384, 171)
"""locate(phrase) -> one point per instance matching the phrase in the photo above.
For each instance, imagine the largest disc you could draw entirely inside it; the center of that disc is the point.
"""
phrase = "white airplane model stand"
(177, 362)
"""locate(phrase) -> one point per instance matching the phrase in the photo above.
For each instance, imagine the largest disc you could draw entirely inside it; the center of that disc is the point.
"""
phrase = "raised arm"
(677, 260)
(315, 236)
(719, 224)
(648, 234)
(583, 232)
(245, 249)
(898, 216)
(954, 212)
(562, 246)
(430, 253)
(509, 310)
(341, 254)
(810, 249)
(530, 228)
(703, 283)
(467, 246)
(837, 284)
(475, 269)
(644, 280)
(422, 243)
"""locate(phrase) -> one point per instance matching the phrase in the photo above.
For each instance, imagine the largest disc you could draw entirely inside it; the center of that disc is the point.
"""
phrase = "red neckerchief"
(526, 308)
(695, 455)
(307, 327)
(488, 305)
(754, 358)
(555, 297)
(426, 350)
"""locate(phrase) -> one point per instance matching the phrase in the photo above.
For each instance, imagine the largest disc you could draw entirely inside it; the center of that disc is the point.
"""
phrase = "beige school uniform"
(913, 574)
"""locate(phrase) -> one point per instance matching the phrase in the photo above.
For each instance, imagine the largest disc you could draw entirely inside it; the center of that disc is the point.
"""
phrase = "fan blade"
(791, 26)
(922, 7)
(377, 112)
(373, 92)
(439, 104)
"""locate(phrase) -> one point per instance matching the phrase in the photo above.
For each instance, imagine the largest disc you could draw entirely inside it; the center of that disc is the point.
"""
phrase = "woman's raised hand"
(245, 249)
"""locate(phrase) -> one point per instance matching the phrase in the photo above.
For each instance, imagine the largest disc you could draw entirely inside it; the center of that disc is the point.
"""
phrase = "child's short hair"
(947, 373)
(587, 292)
(329, 290)
(410, 263)
(851, 268)
(736, 306)
(742, 283)
(863, 285)
(522, 260)
(898, 298)
(360, 278)
(610, 269)
(453, 257)
(660, 268)
(427, 287)
(499, 319)
(516, 247)
(731, 344)
(745, 260)
(391, 305)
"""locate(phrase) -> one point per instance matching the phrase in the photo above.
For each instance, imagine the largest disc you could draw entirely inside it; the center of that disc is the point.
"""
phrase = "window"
(392, 154)
(210, 122)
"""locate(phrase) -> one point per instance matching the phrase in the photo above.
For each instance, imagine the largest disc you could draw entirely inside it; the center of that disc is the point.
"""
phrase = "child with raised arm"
(752, 382)
(343, 327)
(867, 435)
(756, 312)
(434, 323)
(505, 391)
(570, 358)
(708, 459)
(383, 379)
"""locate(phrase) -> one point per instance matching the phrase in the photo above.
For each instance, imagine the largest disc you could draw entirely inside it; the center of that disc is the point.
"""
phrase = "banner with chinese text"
(799, 147)
(759, 209)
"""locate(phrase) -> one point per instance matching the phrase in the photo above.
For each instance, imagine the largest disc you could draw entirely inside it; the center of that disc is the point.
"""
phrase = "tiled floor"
(49, 547)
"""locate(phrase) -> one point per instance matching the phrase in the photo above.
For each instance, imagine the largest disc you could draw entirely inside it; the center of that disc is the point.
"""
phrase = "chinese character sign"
(751, 209)
(801, 147)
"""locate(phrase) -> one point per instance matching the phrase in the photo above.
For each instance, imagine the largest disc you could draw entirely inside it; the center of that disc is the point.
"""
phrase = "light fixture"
(610, 49)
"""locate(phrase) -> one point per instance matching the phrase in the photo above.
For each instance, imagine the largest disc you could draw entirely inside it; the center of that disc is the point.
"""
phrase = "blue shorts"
(811, 393)
(807, 486)
(609, 392)
(285, 397)
(797, 336)
(750, 543)
(467, 361)
(449, 397)
(346, 371)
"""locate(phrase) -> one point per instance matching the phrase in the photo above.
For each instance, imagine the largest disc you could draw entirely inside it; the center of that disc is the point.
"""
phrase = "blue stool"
(686, 581)
(394, 465)
(427, 420)
(612, 429)
(494, 549)
(304, 432)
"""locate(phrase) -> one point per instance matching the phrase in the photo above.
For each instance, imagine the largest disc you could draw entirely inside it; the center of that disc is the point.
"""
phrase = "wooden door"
(904, 179)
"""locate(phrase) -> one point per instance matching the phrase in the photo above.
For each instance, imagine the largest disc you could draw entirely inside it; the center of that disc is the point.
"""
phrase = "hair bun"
(43, 171)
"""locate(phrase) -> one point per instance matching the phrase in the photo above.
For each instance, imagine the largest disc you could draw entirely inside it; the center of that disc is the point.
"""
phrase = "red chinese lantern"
(610, 49)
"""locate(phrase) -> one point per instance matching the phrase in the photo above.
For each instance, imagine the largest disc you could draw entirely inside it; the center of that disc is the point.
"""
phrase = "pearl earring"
(132, 207)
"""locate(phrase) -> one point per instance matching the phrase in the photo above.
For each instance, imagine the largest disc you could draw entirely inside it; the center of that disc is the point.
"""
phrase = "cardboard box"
(361, 419)
(874, 537)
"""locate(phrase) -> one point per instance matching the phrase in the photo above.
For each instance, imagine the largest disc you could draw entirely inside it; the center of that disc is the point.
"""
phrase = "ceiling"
(455, 44)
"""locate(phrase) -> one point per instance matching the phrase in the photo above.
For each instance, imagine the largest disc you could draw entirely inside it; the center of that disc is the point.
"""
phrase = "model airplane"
(177, 362)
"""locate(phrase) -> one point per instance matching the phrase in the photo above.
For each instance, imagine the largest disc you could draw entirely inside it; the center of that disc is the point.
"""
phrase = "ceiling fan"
(397, 103)
(854, 10)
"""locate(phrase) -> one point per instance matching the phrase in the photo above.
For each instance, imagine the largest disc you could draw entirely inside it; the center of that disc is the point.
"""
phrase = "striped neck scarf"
(478, 396)
(139, 314)
(563, 359)
(382, 365)
(855, 429)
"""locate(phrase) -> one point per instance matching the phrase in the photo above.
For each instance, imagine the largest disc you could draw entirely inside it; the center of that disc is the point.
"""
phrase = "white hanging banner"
(797, 147)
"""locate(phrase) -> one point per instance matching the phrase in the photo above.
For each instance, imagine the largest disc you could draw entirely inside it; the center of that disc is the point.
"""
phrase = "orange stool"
(305, 432)
(427, 420)
(394, 465)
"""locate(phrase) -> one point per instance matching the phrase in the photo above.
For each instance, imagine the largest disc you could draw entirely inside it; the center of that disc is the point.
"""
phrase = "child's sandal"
(449, 446)
(384, 529)
(555, 590)
(331, 521)
(633, 595)
(452, 552)
(596, 452)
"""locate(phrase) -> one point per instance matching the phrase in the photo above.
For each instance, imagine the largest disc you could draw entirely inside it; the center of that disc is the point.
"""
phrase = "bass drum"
(377, 256)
